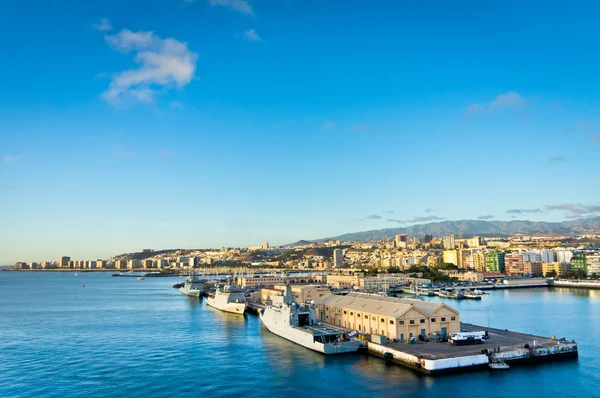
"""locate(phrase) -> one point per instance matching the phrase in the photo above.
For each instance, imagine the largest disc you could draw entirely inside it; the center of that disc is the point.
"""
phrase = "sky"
(195, 124)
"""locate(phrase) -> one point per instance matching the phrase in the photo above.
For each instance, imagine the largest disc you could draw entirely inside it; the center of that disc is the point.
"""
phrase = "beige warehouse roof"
(375, 304)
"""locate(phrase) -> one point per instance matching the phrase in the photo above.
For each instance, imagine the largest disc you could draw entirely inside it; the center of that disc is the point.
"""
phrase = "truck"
(466, 338)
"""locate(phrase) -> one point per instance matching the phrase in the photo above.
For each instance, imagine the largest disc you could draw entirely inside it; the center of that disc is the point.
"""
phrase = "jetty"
(502, 346)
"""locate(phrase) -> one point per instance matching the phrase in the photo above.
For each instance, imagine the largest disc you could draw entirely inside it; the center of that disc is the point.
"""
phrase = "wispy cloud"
(5, 188)
(485, 217)
(374, 217)
(164, 64)
(119, 151)
(524, 211)
(507, 100)
(103, 26)
(557, 159)
(428, 210)
(12, 159)
(580, 125)
(251, 35)
(241, 6)
(164, 153)
(555, 106)
(388, 212)
(416, 219)
(359, 127)
(327, 126)
(576, 210)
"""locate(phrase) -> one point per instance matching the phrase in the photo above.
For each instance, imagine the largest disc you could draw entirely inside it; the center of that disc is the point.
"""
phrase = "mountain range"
(467, 228)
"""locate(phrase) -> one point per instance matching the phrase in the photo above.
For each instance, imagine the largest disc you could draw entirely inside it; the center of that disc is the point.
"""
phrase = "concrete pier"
(438, 358)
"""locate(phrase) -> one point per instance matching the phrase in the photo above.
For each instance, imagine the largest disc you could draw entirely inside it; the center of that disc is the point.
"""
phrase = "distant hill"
(479, 227)
(300, 243)
(145, 255)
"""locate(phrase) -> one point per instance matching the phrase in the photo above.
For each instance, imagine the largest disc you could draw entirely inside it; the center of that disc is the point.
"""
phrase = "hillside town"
(447, 258)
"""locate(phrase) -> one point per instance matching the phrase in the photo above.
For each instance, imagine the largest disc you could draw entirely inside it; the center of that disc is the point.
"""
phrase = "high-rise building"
(592, 262)
(402, 238)
(121, 264)
(514, 264)
(427, 238)
(338, 258)
(532, 257)
(64, 262)
(162, 263)
(451, 257)
(134, 263)
(578, 263)
(563, 256)
(494, 261)
(265, 245)
(547, 256)
(449, 243)
(554, 269)
(479, 261)
(532, 268)
(474, 241)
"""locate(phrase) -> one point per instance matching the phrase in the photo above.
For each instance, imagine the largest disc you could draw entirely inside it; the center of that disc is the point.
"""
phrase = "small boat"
(140, 278)
(499, 365)
(471, 295)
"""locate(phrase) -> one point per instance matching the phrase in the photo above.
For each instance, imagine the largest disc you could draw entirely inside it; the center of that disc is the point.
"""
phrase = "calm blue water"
(124, 337)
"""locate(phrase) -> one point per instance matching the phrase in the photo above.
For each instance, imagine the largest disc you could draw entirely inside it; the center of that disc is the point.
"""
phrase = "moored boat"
(228, 298)
(191, 287)
(299, 324)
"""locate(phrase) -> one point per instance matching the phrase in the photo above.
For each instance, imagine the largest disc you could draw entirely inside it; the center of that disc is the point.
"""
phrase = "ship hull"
(189, 292)
(301, 337)
(233, 308)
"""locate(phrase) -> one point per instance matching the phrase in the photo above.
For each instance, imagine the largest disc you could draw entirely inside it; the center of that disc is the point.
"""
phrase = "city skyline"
(228, 123)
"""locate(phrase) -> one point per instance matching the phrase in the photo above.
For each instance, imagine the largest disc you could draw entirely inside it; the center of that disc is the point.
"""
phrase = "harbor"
(441, 351)
(164, 332)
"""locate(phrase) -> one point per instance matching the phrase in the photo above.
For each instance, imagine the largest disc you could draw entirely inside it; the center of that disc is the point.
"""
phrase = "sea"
(94, 335)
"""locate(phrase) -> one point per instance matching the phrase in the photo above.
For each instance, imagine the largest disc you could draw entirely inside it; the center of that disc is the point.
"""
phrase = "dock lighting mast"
(487, 307)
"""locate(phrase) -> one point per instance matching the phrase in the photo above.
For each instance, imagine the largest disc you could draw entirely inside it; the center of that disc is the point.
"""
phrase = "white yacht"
(191, 287)
(228, 298)
(299, 324)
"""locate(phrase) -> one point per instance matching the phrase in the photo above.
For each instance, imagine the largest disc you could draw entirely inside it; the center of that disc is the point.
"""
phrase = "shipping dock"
(502, 346)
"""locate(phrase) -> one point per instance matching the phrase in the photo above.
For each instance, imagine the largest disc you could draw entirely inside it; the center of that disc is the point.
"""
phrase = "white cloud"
(241, 6)
(103, 26)
(12, 159)
(164, 63)
(506, 100)
(359, 127)
(251, 35)
(327, 126)
(580, 125)
(164, 153)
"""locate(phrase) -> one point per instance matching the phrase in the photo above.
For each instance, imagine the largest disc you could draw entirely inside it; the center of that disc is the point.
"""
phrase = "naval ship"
(228, 298)
(191, 287)
(299, 324)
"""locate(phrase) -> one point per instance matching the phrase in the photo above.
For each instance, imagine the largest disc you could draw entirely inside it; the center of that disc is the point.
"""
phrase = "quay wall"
(586, 284)
(533, 354)
(430, 366)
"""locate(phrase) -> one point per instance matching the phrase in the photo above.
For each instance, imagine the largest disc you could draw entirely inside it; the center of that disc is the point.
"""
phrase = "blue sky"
(208, 123)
